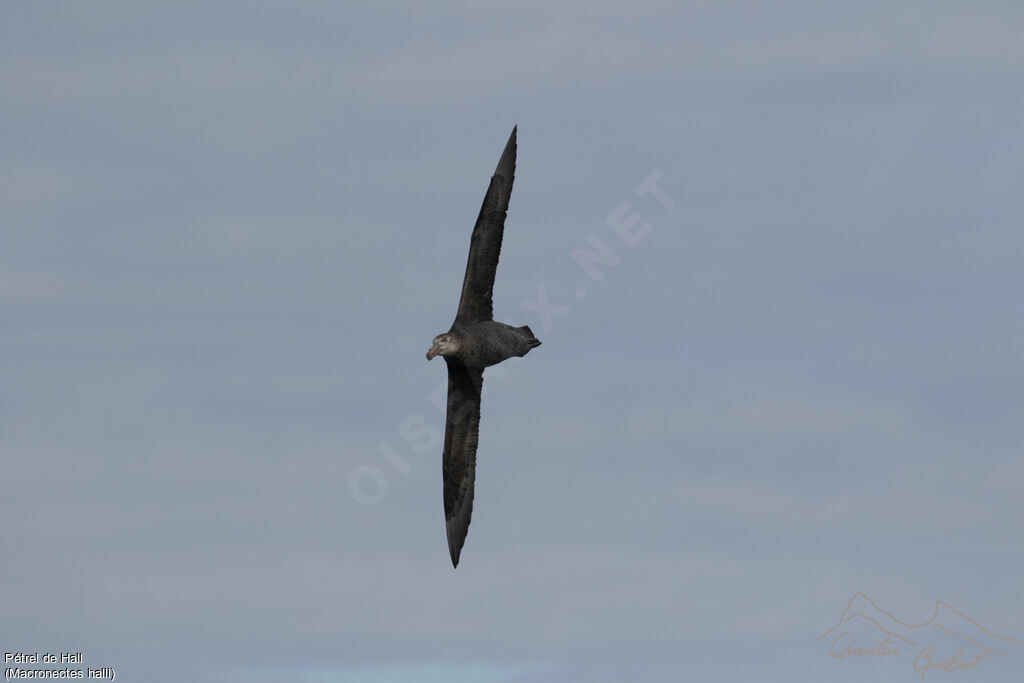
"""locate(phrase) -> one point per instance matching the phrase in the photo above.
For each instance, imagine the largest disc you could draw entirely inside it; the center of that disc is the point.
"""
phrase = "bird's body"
(474, 342)
(488, 342)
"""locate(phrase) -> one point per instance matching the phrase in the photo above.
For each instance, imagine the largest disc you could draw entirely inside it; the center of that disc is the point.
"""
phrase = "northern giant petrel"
(474, 342)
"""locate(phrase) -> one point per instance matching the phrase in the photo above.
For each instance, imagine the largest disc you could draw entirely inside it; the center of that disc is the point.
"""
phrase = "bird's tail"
(528, 337)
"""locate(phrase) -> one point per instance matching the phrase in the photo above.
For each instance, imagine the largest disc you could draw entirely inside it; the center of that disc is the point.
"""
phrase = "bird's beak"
(434, 350)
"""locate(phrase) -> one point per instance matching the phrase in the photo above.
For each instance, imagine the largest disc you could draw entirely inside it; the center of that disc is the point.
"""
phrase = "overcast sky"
(231, 230)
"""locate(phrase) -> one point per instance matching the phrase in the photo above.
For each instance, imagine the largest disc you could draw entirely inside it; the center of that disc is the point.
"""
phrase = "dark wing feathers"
(462, 425)
(485, 246)
(461, 430)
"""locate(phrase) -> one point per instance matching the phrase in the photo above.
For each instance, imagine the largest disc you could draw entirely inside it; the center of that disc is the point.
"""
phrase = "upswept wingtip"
(507, 162)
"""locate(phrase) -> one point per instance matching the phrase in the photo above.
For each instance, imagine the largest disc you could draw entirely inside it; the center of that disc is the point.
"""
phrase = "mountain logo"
(948, 641)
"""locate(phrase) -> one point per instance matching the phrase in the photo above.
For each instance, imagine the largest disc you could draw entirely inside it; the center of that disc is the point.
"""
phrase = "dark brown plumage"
(485, 245)
(474, 342)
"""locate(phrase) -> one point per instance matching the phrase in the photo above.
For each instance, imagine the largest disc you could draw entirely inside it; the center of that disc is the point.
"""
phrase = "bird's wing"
(459, 463)
(485, 245)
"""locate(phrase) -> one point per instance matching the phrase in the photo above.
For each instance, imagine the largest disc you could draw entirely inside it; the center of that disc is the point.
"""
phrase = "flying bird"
(474, 342)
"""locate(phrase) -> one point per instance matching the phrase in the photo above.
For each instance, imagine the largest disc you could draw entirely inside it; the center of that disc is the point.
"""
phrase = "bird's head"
(444, 345)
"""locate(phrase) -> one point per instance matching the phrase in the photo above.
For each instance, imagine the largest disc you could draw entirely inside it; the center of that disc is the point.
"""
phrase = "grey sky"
(230, 231)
